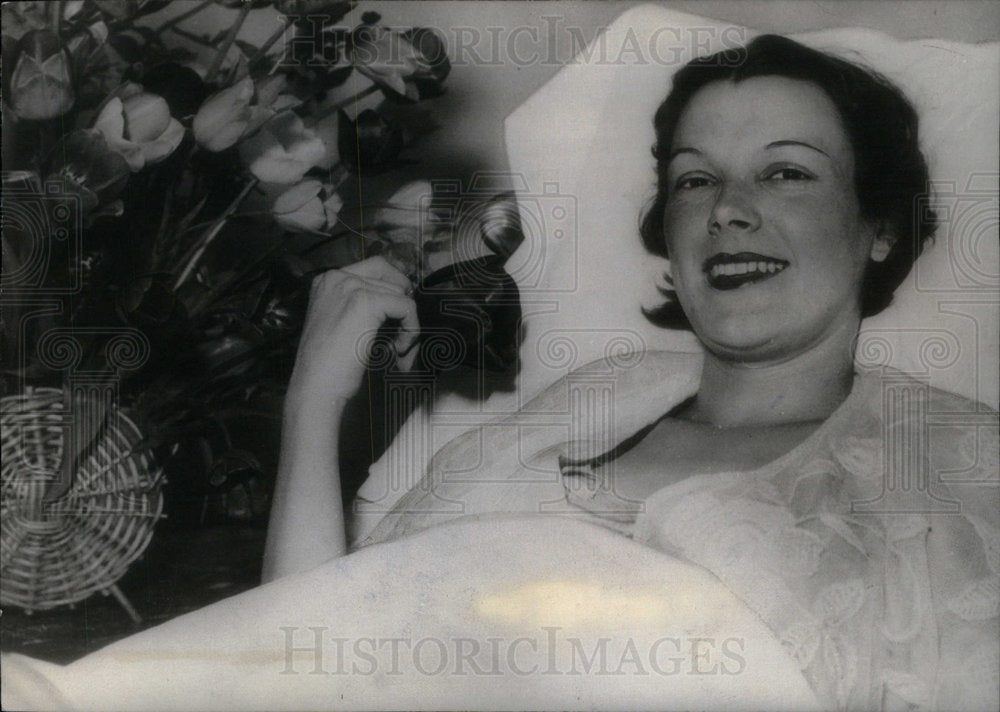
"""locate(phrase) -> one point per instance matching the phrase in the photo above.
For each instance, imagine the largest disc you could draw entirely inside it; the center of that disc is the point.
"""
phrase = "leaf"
(182, 226)
(248, 48)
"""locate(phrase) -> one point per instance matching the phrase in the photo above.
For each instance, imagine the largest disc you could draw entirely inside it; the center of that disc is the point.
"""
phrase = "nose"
(733, 210)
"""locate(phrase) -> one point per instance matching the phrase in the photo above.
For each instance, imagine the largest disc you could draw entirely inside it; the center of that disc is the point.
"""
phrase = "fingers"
(379, 304)
(405, 310)
(355, 301)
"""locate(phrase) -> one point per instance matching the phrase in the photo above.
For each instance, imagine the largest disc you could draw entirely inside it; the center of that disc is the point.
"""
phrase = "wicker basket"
(59, 552)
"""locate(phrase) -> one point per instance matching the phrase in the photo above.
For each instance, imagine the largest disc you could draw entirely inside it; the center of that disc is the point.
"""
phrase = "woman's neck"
(808, 387)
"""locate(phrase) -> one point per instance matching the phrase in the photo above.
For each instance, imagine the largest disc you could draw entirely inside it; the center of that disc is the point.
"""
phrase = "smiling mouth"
(731, 271)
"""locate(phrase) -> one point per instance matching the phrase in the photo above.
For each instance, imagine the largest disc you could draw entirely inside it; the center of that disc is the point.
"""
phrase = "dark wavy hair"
(890, 173)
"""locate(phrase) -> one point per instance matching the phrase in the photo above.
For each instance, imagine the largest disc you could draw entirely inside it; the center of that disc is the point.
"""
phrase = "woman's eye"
(788, 174)
(692, 182)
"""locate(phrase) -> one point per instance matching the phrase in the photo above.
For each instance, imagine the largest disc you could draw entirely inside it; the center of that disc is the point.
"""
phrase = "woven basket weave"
(60, 552)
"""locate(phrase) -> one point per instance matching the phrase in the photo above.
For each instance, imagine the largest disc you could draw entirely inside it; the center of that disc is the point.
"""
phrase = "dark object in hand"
(470, 315)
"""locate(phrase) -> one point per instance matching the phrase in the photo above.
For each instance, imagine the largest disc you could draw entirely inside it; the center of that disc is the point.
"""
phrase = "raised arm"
(346, 308)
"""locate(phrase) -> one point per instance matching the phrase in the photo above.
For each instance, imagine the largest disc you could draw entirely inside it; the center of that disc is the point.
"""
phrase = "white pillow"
(580, 150)
(589, 130)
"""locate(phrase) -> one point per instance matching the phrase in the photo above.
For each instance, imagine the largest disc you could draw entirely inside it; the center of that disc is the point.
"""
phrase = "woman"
(786, 185)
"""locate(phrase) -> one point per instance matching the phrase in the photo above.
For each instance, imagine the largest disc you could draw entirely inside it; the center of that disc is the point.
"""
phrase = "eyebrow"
(774, 144)
(779, 144)
(677, 151)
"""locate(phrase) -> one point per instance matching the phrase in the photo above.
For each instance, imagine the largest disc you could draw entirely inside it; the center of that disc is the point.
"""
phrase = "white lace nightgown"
(871, 550)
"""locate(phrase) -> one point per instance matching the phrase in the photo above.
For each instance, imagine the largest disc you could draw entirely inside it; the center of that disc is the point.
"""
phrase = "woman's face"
(767, 245)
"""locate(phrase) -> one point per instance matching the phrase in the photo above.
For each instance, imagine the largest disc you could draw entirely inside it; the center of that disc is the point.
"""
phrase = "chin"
(746, 337)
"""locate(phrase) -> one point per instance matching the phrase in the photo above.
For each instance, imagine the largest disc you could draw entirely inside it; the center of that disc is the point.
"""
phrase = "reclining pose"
(774, 528)
(787, 181)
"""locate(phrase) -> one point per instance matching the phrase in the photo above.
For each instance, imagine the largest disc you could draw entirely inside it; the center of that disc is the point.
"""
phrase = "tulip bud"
(22, 17)
(389, 59)
(282, 150)
(88, 167)
(428, 44)
(224, 116)
(328, 130)
(40, 86)
(407, 217)
(140, 128)
(300, 208)
(146, 116)
(309, 206)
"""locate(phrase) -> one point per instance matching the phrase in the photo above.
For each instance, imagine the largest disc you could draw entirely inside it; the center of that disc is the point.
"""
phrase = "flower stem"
(210, 234)
(227, 42)
(183, 16)
(268, 43)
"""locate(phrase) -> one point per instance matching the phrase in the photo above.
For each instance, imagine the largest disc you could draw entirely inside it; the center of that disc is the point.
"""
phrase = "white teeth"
(734, 268)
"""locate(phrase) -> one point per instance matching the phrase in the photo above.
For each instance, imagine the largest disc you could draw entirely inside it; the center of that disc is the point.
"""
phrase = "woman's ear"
(883, 241)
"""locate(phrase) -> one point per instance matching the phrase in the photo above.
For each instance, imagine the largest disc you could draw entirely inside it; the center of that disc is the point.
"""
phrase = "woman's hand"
(346, 309)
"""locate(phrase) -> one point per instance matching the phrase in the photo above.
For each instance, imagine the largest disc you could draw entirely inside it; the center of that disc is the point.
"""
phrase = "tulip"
(368, 142)
(282, 150)
(393, 61)
(428, 43)
(88, 167)
(270, 100)
(40, 85)
(140, 128)
(407, 218)
(307, 207)
(237, 111)
(20, 18)
(224, 116)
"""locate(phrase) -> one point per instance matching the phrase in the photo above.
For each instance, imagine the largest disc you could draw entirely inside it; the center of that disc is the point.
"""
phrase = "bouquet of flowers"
(183, 188)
